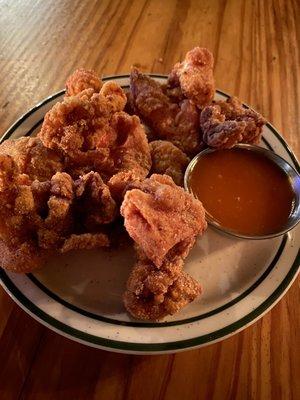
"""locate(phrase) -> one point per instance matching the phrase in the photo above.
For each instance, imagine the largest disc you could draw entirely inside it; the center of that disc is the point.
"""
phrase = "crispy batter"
(114, 95)
(82, 79)
(32, 158)
(153, 293)
(25, 258)
(195, 76)
(184, 290)
(18, 219)
(227, 123)
(79, 127)
(160, 216)
(168, 159)
(38, 217)
(17, 211)
(131, 150)
(146, 278)
(94, 134)
(175, 93)
(119, 182)
(178, 123)
(85, 241)
(59, 221)
(94, 201)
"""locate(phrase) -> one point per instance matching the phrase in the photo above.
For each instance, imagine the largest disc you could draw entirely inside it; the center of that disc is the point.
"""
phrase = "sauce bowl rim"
(285, 166)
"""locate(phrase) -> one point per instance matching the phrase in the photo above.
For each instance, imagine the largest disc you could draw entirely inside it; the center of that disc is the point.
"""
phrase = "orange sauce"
(243, 191)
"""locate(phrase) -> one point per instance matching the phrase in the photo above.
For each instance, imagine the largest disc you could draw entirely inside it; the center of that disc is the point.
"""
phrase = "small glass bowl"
(294, 179)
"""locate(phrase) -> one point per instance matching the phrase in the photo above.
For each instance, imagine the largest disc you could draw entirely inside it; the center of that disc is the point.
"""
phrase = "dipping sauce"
(243, 191)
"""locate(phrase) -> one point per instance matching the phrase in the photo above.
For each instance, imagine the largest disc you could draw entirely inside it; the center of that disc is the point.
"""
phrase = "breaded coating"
(226, 123)
(131, 150)
(160, 216)
(59, 221)
(146, 278)
(85, 241)
(93, 134)
(79, 129)
(119, 182)
(25, 258)
(168, 159)
(93, 201)
(153, 293)
(37, 218)
(195, 76)
(32, 158)
(175, 93)
(82, 79)
(114, 95)
(178, 123)
(18, 219)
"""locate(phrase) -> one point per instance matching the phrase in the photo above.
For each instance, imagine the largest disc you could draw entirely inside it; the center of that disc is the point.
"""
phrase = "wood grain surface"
(256, 49)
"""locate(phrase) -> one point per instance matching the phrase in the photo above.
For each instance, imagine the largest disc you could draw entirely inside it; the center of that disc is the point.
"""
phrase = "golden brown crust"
(168, 159)
(159, 216)
(195, 76)
(85, 241)
(25, 258)
(38, 217)
(178, 123)
(153, 293)
(93, 134)
(226, 123)
(94, 202)
(32, 158)
(114, 95)
(82, 79)
(120, 181)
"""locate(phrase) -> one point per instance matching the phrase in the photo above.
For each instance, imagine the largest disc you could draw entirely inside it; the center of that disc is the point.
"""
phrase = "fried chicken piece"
(131, 150)
(168, 159)
(79, 128)
(227, 123)
(178, 123)
(74, 212)
(195, 76)
(82, 79)
(25, 258)
(59, 221)
(146, 278)
(37, 218)
(17, 210)
(37, 212)
(160, 216)
(175, 93)
(184, 290)
(32, 158)
(119, 182)
(217, 132)
(153, 293)
(94, 201)
(114, 95)
(18, 219)
(85, 241)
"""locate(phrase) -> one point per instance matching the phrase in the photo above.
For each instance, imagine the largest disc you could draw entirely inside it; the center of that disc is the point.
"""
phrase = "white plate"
(79, 295)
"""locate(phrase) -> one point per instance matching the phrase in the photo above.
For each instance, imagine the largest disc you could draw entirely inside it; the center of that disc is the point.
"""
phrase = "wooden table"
(256, 49)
